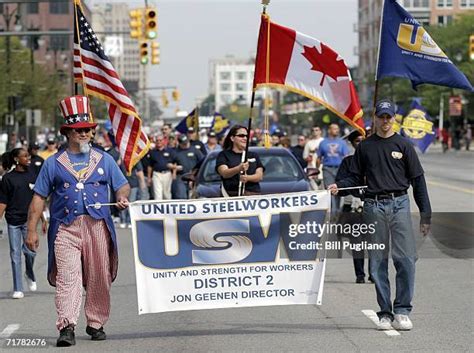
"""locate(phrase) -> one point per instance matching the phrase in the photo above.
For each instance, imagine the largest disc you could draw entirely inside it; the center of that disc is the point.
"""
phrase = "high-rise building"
(231, 80)
(427, 12)
(111, 21)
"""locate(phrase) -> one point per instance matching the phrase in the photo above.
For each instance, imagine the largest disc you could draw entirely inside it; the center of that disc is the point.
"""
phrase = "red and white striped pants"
(82, 251)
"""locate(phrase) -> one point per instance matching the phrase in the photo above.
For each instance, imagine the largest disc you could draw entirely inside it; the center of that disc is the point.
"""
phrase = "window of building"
(32, 7)
(467, 3)
(59, 42)
(406, 3)
(226, 98)
(241, 75)
(59, 7)
(445, 20)
(1, 8)
(225, 87)
(225, 75)
(445, 3)
(240, 86)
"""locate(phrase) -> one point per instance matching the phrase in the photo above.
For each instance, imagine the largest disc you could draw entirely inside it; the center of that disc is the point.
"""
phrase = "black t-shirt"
(232, 159)
(199, 146)
(387, 163)
(16, 192)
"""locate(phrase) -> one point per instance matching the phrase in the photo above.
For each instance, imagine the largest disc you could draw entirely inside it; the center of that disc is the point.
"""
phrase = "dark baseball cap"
(190, 129)
(34, 146)
(182, 138)
(384, 106)
(211, 134)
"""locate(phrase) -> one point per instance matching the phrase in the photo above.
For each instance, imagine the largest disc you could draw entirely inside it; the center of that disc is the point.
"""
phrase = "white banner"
(229, 252)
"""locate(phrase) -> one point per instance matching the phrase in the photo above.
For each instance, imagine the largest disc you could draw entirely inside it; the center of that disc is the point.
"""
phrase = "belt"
(330, 166)
(385, 195)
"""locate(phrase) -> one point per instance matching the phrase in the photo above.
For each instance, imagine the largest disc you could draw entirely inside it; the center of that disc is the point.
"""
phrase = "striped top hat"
(76, 115)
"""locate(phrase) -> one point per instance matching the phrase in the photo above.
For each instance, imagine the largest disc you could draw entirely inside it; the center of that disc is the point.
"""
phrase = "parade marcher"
(158, 172)
(166, 131)
(352, 209)
(51, 148)
(81, 239)
(389, 164)
(212, 144)
(232, 170)
(331, 151)
(15, 197)
(298, 150)
(36, 160)
(186, 159)
(312, 145)
(195, 142)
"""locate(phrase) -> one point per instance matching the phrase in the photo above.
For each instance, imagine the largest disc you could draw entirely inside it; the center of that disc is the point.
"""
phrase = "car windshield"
(277, 168)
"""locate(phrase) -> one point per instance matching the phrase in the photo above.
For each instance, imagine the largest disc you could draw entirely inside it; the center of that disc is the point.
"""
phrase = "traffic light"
(151, 25)
(155, 53)
(136, 23)
(144, 52)
(164, 99)
(175, 94)
(471, 47)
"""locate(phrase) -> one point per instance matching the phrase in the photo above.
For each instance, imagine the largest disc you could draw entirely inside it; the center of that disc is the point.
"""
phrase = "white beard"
(84, 147)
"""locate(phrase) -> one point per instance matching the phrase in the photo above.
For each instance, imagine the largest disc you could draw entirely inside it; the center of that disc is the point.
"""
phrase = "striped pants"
(82, 251)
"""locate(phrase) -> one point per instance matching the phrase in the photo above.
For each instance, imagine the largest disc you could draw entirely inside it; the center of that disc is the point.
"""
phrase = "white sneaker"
(31, 284)
(385, 323)
(402, 323)
(17, 295)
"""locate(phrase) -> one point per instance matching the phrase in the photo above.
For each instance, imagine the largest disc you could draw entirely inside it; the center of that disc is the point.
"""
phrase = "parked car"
(282, 174)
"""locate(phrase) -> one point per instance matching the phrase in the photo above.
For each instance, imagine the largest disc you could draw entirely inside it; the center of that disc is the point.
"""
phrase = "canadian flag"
(294, 61)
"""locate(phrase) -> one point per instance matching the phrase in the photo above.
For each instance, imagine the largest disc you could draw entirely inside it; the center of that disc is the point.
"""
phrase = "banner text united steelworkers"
(230, 205)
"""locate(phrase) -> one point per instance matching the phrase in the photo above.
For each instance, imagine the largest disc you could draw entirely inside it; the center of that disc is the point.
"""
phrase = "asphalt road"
(443, 306)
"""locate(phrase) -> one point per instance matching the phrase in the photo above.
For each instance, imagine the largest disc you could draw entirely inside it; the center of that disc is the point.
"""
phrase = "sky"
(191, 32)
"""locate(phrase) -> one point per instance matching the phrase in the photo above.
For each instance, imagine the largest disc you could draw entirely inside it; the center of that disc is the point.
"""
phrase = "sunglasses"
(81, 130)
(241, 135)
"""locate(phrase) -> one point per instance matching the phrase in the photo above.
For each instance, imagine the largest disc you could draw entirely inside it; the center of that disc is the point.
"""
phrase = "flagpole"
(252, 103)
(377, 69)
(245, 154)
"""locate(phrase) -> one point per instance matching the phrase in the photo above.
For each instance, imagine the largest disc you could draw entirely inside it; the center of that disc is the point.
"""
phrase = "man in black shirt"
(298, 150)
(185, 159)
(389, 164)
(195, 142)
(36, 160)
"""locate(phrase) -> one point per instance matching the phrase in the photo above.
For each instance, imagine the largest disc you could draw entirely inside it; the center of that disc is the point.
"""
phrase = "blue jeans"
(16, 237)
(391, 218)
(125, 214)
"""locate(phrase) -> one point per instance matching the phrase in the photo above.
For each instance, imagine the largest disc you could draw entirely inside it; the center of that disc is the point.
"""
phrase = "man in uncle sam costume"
(81, 236)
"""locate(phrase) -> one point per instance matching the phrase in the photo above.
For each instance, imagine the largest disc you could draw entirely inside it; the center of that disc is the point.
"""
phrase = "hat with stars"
(76, 115)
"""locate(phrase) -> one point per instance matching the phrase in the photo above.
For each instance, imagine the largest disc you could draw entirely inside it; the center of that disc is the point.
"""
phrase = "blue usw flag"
(418, 127)
(191, 120)
(407, 50)
(220, 124)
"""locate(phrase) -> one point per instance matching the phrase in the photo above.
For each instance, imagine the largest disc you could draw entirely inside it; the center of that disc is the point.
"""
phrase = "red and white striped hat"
(76, 115)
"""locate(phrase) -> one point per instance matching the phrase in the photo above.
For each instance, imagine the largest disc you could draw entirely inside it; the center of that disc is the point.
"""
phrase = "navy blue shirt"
(160, 158)
(188, 158)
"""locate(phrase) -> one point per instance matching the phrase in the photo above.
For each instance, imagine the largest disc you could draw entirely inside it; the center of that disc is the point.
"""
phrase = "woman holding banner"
(233, 166)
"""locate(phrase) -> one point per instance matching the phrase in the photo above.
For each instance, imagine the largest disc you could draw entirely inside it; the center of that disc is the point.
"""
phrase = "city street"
(442, 316)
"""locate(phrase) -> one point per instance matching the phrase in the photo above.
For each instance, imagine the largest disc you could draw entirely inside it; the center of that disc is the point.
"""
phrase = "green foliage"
(37, 88)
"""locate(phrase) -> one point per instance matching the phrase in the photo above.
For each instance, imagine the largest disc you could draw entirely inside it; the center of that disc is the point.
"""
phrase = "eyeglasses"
(81, 130)
(242, 135)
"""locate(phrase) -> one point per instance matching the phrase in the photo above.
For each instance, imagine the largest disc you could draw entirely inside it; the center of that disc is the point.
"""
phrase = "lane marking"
(375, 319)
(7, 332)
(450, 187)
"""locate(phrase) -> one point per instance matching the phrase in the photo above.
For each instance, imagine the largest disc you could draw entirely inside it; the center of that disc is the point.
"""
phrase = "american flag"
(94, 70)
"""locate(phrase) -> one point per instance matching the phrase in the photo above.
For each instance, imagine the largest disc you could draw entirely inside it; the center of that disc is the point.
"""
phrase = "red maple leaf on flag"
(325, 62)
